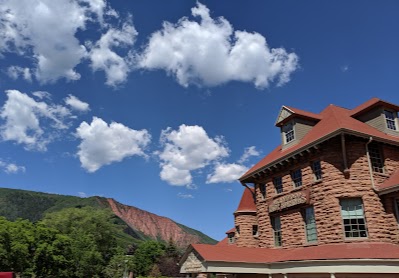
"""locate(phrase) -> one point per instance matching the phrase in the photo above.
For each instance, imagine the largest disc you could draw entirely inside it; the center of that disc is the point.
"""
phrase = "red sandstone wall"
(246, 221)
(324, 196)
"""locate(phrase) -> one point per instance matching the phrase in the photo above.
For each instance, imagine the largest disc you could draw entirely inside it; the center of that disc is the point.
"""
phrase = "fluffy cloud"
(23, 116)
(15, 71)
(210, 52)
(226, 173)
(231, 172)
(248, 152)
(187, 149)
(103, 144)
(44, 31)
(103, 56)
(11, 168)
(77, 104)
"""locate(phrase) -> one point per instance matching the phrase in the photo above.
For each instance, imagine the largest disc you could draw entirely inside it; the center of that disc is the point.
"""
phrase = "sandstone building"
(325, 203)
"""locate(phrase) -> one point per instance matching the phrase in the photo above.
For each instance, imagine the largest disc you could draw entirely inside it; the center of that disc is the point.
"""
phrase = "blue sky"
(162, 105)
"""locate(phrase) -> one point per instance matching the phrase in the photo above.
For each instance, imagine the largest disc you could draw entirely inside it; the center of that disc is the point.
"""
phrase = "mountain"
(135, 224)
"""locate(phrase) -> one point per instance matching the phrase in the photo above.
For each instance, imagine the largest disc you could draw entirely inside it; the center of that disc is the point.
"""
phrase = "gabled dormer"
(379, 114)
(294, 125)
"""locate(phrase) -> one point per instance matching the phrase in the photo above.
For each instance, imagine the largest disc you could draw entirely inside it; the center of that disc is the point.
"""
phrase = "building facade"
(325, 203)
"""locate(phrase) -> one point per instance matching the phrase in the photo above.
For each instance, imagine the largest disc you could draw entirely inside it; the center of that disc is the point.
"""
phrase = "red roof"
(223, 242)
(299, 113)
(391, 182)
(371, 104)
(231, 253)
(334, 120)
(247, 203)
(232, 230)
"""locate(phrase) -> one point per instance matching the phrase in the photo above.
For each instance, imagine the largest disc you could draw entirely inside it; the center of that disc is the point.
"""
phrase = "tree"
(92, 234)
(119, 266)
(146, 255)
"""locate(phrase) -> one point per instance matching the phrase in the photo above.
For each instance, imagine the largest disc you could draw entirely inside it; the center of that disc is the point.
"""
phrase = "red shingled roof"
(299, 113)
(247, 203)
(229, 253)
(232, 230)
(334, 120)
(374, 102)
(392, 182)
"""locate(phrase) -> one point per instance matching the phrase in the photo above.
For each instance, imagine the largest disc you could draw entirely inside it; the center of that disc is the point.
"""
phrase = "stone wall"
(245, 221)
(325, 195)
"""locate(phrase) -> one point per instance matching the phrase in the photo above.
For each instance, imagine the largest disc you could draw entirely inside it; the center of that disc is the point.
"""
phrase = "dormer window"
(289, 134)
(390, 119)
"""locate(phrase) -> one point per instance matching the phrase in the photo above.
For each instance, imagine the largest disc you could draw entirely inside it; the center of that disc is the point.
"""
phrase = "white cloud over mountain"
(11, 168)
(210, 53)
(102, 144)
(187, 149)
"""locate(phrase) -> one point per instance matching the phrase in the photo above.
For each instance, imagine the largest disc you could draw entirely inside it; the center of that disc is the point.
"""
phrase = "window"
(297, 177)
(390, 119)
(255, 230)
(377, 163)
(230, 238)
(316, 167)
(238, 230)
(262, 188)
(353, 217)
(276, 224)
(288, 131)
(310, 225)
(278, 184)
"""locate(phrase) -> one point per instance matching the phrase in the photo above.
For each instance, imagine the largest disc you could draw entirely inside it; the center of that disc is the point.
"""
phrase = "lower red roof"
(227, 253)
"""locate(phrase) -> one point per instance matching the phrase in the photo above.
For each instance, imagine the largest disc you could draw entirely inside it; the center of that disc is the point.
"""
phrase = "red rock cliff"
(152, 225)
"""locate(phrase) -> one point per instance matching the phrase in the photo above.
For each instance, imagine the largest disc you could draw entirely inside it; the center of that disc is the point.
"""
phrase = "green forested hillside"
(33, 206)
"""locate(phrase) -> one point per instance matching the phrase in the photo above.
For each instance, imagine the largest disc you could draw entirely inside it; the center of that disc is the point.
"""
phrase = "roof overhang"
(306, 266)
(314, 144)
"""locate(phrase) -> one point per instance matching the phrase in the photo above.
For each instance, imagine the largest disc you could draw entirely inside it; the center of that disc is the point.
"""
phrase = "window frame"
(255, 230)
(262, 190)
(288, 132)
(350, 222)
(317, 171)
(310, 224)
(296, 177)
(376, 158)
(278, 184)
(276, 226)
(390, 119)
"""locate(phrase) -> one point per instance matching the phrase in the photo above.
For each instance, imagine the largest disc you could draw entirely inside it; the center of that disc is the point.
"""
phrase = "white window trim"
(292, 124)
(395, 119)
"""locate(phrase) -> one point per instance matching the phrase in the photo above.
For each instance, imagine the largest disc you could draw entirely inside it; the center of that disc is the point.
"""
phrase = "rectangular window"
(276, 224)
(262, 188)
(377, 162)
(231, 238)
(316, 167)
(353, 218)
(297, 177)
(390, 119)
(255, 230)
(310, 225)
(278, 184)
(238, 230)
(288, 131)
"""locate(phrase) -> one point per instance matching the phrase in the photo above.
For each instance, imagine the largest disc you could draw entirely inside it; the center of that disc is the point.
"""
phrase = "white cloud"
(15, 72)
(345, 68)
(185, 196)
(103, 55)
(103, 144)
(77, 104)
(211, 53)
(42, 95)
(44, 32)
(187, 149)
(23, 116)
(248, 152)
(11, 168)
(224, 173)
(82, 194)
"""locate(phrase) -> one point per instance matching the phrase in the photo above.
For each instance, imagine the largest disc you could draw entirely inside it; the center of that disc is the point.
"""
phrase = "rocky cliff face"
(154, 226)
